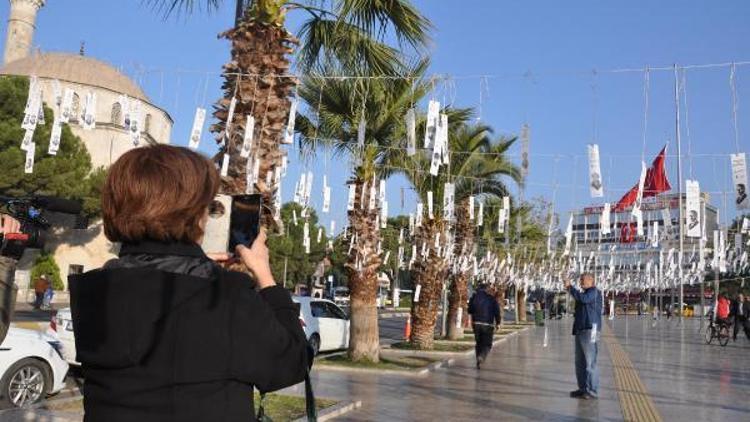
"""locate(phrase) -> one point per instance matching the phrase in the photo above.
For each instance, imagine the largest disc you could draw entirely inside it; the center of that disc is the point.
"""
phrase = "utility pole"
(679, 184)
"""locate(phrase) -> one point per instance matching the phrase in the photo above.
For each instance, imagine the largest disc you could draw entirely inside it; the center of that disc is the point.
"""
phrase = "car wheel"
(25, 383)
(315, 343)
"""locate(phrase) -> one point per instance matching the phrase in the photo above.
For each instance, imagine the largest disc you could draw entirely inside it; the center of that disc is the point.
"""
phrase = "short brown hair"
(158, 192)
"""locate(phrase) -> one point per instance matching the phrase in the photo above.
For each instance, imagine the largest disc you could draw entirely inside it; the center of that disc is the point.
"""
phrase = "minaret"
(21, 26)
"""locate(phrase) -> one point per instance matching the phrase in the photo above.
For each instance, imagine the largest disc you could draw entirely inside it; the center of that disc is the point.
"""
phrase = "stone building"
(80, 250)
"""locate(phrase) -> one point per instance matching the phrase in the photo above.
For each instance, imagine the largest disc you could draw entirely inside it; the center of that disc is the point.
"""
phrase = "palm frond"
(169, 7)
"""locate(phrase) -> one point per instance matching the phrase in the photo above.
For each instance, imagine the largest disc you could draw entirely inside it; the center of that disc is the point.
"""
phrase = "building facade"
(78, 250)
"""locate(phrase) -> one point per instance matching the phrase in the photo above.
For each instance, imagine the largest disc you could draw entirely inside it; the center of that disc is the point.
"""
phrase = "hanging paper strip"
(739, 175)
(327, 199)
(480, 215)
(28, 139)
(605, 220)
(693, 208)
(308, 189)
(525, 140)
(28, 167)
(433, 110)
(501, 220)
(135, 122)
(384, 214)
(381, 191)
(429, 205)
(372, 203)
(196, 132)
(639, 196)
(352, 197)
(225, 165)
(66, 108)
(247, 139)
(448, 201)
(420, 214)
(471, 208)
(89, 112)
(595, 172)
(230, 117)
(443, 135)
(54, 140)
(655, 235)
(411, 132)
(288, 137)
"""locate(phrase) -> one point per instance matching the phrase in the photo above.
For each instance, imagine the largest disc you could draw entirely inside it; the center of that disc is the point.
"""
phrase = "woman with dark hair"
(163, 333)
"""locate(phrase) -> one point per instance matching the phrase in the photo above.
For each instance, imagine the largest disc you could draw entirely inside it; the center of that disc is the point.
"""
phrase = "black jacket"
(484, 308)
(734, 310)
(164, 334)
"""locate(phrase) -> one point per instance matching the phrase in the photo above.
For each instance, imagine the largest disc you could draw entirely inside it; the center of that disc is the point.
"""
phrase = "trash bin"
(539, 317)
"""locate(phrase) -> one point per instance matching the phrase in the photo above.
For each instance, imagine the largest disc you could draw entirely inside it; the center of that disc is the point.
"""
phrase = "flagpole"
(679, 184)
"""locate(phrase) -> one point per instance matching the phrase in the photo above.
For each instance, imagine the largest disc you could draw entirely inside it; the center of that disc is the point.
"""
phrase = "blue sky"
(556, 45)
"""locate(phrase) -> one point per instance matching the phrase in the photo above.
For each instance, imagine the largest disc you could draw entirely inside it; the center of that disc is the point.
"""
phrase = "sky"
(548, 64)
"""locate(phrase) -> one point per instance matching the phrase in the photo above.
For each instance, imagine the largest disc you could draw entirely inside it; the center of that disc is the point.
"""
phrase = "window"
(318, 310)
(117, 114)
(75, 269)
(335, 312)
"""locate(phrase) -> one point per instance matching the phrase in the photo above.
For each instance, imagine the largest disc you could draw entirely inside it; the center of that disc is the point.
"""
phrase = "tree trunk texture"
(362, 266)
(501, 291)
(521, 305)
(257, 77)
(429, 273)
(457, 295)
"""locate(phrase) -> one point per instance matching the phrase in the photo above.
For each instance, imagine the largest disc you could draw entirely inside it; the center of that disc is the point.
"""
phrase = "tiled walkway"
(523, 380)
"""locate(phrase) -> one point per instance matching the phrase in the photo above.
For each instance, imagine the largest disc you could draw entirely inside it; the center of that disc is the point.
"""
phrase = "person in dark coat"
(740, 314)
(587, 324)
(485, 316)
(164, 333)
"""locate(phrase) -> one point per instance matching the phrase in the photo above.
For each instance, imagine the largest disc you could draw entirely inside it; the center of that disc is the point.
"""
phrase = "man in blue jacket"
(587, 324)
(485, 316)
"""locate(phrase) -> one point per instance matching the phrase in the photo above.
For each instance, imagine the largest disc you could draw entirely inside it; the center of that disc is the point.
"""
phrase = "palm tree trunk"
(457, 296)
(429, 274)
(520, 305)
(362, 265)
(501, 291)
(259, 49)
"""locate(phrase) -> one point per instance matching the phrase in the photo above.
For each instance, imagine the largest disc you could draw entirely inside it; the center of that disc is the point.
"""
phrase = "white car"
(32, 367)
(61, 326)
(326, 325)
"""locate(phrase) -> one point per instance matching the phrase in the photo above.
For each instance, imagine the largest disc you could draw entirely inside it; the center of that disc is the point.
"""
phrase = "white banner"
(66, 108)
(411, 132)
(247, 139)
(595, 172)
(525, 139)
(433, 110)
(195, 133)
(693, 208)
(54, 140)
(471, 208)
(429, 205)
(604, 223)
(739, 175)
(28, 167)
(289, 132)
(448, 201)
(480, 215)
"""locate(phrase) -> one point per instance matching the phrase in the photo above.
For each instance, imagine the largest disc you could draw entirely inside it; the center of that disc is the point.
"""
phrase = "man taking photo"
(587, 324)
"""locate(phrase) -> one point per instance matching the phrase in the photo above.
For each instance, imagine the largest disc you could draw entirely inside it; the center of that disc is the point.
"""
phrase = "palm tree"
(338, 106)
(471, 170)
(351, 34)
(484, 159)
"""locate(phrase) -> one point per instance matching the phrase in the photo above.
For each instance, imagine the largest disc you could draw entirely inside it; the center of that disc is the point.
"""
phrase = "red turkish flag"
(655, 183)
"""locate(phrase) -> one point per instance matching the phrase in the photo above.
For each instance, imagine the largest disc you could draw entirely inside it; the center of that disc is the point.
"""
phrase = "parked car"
(61, 326)
(31, 367)
(326, 325)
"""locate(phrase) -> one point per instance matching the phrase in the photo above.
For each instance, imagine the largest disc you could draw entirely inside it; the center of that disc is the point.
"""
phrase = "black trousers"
(483, 336)
(745, 327)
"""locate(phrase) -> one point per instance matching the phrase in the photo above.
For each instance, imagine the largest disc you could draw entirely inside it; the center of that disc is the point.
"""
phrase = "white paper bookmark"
(196, 132)
(289, 132)
(54, 140)
(471, 208)
(352, 197)
(29, 164)
(225, 165)
(429, 205)
(411, 132)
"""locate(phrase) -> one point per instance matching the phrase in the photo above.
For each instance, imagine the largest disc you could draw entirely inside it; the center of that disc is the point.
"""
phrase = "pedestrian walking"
(48, 295)
(587, 324)
(740, 312)
(485, 316)
(40, 286)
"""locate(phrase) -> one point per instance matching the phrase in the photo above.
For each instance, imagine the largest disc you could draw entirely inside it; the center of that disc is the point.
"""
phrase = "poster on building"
(739, 176)
(195, 133)
(595, 172)
(693, 208)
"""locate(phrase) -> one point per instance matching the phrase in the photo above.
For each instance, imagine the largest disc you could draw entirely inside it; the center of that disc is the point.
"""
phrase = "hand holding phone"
(256, 260)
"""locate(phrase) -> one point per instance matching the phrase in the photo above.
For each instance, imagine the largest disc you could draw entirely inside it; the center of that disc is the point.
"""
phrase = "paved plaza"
(679, 375)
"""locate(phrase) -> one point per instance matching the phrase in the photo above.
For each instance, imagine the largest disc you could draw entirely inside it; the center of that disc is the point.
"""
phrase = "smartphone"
(244, 221)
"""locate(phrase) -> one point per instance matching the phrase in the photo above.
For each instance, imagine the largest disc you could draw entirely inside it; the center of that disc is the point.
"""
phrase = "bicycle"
(717, 330)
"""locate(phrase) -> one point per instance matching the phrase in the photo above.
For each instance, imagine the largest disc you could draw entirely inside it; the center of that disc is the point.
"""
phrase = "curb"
(335, 411)
(387, 315)
(452, 354)
(403, 372)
